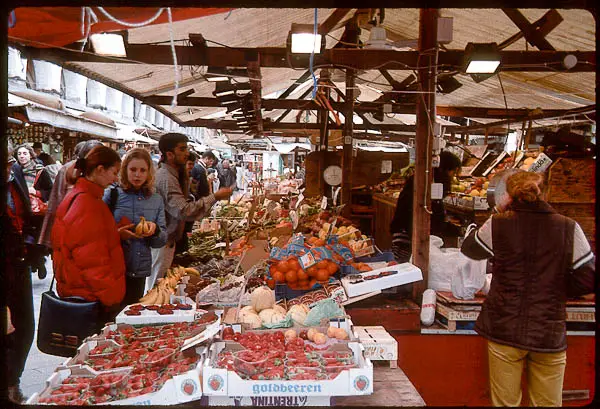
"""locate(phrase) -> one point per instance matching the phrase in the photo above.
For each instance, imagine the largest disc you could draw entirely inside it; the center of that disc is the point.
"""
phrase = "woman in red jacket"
(87, 253)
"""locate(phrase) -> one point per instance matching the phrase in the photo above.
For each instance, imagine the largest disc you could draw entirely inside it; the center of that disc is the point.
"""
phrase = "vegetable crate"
(283, 291)
(223, 382)
(385, 256)
(379, 344)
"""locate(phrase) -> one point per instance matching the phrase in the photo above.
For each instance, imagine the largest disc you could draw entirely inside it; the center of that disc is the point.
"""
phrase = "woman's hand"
(32, 191)
(152, 230)
(126, 233)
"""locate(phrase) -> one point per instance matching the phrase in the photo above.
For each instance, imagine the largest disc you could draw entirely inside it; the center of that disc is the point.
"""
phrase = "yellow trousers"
(545, 375)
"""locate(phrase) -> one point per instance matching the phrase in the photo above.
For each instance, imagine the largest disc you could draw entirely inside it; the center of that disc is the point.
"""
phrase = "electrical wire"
(174, 100)
(505, 106)
(133, 25)
(312, 57)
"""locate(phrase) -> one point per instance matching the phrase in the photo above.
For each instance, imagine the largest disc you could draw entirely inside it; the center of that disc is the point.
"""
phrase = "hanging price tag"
(324, 203)
(300, 199)
(294, 218)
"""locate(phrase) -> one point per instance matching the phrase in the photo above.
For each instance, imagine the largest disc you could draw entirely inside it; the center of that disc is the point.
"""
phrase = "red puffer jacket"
(88, 258)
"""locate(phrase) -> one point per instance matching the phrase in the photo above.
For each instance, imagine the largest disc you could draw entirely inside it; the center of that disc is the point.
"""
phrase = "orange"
(291, 276)
(294, 264)
(312, 271)
(303, 284)
(302, 275)
(319, 242)
(332, 268)
(322, 275)
(312, 282)
(271, 283)
(322, 264)
(283, 266)
(278, 276)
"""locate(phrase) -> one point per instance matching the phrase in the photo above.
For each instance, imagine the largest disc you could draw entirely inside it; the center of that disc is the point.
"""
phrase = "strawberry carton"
(355, 380)
(158, 314)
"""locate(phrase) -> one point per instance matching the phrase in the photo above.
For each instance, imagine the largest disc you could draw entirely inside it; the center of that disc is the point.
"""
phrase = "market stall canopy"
(59, 26)
(38, 113)
(129, 133)
(286, 148)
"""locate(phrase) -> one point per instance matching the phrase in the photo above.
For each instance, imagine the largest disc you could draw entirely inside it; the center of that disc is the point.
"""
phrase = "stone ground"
(39, 366)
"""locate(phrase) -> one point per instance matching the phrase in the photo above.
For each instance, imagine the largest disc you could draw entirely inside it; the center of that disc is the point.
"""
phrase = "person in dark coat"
(541, 259)
(200, 172)
(15, 229)
(401, 226)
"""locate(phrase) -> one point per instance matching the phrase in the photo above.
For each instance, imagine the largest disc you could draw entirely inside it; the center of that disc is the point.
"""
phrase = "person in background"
(182, 244)
(172, 183)
(401, 226)
(61, 187)
(132, 199)
(200, 174)
(87, 254)
(37, 179)
(52, 166)
(212, 180)
(37, 149)
(14, 229)
(541, 259)
(226, 176)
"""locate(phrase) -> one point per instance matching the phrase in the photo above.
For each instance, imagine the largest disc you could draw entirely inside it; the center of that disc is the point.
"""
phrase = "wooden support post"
(348, 131)
(427, 71)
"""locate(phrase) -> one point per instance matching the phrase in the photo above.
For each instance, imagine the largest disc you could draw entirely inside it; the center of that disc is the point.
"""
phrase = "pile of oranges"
(290, 272)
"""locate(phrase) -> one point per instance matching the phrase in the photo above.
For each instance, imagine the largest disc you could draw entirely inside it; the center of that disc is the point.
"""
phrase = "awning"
(286, 148)
(128, 133)
(58, 26)
(60, 119)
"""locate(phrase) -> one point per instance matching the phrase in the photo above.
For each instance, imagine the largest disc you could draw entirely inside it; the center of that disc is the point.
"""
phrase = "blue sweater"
(133, 205)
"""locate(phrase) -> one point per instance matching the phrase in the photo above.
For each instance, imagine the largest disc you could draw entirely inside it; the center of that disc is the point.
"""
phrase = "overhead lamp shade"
(110, 44)
(448, 84)
(302, 39)
(482, 58)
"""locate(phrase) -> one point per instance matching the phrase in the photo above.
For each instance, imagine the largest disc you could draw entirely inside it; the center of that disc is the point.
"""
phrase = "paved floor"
(39, 366)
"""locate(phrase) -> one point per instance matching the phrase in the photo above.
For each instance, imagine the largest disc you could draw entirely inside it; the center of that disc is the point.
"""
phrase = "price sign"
(324, 203)
(294, 218)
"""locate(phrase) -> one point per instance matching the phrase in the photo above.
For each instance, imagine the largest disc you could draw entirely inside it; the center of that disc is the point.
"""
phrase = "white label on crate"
(220, 245)
(281, 401)
(324, 203)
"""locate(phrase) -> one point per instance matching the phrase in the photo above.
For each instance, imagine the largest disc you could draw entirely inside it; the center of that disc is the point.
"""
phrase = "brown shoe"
(15, 394)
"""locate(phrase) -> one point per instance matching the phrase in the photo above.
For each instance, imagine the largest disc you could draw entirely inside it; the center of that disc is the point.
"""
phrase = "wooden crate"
(379, 344)
(572, 181)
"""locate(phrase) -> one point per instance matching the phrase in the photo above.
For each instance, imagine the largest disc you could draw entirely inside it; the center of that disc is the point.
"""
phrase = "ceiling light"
(108, 44)
(377, 39)
(482, 58)
(302, 40)
(448, 84)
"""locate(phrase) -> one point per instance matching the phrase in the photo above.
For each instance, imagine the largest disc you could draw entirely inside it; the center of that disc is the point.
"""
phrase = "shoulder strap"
(114, 196)
(68, 208)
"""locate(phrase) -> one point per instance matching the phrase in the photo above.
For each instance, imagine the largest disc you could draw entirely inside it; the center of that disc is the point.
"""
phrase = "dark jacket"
(134, 205)
(403, 215)
(540, 259)
(199, 174)
(43, 184)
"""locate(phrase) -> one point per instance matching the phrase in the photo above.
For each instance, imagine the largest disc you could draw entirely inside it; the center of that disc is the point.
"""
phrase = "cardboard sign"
(324, 203)
(540, 165)
(294, 218)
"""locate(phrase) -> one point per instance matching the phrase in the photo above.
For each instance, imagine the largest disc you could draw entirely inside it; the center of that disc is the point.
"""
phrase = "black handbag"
(65, 322)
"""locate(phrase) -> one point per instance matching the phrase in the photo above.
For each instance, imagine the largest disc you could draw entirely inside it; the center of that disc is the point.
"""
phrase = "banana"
(139, 229)
(150, 298)
(147, 227)
(191, 271)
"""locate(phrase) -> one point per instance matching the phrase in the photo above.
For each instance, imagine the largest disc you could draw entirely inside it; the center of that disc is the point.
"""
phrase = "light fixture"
(109, 44)
(569, 61)
(302, 40)
(481, 58)
(377, 39)
(448, 84)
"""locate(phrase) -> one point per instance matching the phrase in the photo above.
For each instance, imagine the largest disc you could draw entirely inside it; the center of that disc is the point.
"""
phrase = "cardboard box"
(152, 317)
(221, 382)
(280, 401)
(179, 389)
(378, 343)
(540, 165)
(406, 273)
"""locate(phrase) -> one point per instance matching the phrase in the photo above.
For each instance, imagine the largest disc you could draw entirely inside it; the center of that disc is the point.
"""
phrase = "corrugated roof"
(270, 27)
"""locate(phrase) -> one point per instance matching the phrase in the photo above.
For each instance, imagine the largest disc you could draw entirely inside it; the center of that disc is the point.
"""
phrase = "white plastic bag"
(470, 278)
(443, 264)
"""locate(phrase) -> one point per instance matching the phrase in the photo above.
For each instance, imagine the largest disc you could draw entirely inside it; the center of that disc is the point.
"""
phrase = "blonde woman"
(133, 199)
(541, 258)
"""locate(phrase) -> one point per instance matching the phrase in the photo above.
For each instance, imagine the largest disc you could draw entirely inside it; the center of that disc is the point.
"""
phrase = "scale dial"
(333, 175)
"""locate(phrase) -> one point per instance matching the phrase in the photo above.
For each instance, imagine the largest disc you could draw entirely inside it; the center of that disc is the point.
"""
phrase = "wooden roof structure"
(533, 83)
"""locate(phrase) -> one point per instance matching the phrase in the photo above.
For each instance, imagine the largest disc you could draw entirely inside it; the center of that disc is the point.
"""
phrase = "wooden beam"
(274, 57)
(270, 125)
(542, 115)
(543, 25)
(347, 135)
(334, 18)
(255, 85)
(532, 36)
(287, 111)
(293, 87)
(423, 176)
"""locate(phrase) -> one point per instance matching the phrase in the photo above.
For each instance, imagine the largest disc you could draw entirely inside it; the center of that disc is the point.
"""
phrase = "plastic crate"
(283, 291)
(386, 256)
